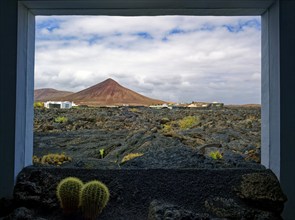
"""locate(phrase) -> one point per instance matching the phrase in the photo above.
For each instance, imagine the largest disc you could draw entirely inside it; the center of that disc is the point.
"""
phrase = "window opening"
(147, 92)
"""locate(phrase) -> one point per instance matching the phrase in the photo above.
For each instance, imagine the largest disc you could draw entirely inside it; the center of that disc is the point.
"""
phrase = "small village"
(68, 105)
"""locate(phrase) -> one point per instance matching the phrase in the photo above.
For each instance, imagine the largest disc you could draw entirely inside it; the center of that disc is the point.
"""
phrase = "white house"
(59, 104)
(217, 104)
(198, 105)
(192, 105)
(161, 106)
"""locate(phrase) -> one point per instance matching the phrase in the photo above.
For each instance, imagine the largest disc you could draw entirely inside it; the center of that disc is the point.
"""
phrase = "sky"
(172, 58)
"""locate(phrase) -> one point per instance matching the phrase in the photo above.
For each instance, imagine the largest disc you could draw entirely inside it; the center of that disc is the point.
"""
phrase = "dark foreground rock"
(23, 213)
(171, 194)
(163, 210)
(262, 190)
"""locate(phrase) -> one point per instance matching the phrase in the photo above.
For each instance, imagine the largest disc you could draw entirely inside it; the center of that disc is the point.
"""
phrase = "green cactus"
(68, 193)
(93, 198)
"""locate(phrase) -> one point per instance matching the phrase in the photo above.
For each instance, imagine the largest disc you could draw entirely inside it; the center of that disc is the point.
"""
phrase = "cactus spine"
(68, 193)
(93, 198)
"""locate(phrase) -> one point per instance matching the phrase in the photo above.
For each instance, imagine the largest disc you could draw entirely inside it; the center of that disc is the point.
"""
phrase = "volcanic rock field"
(142, 137)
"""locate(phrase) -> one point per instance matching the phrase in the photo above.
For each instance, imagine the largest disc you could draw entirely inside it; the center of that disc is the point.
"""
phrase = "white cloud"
(173, 58)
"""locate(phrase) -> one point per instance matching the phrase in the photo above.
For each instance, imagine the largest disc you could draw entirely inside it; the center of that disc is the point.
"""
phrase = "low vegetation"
(167, 128)
(182, 124)
(188, 122)
(38, 105)
(52, 159)
(134, 110)
(216, 155)
(131, 156)
(101, 153)
(61, 119)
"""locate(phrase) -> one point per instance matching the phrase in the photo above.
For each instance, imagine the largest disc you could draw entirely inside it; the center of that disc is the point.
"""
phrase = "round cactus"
(93, 198)
(68, 193)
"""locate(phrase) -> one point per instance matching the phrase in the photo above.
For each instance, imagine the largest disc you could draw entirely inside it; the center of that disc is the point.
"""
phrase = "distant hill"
(48, 94)
(109, 92)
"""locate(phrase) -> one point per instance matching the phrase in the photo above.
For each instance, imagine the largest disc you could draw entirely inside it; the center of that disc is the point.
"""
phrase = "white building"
(161, 106)
(217, 104)
(59, 104)
(192, 105)
(198, 105)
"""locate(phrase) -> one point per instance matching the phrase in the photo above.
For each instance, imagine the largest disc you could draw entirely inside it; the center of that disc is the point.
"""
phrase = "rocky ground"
(159, 164)
(153, 194)
(139, 137)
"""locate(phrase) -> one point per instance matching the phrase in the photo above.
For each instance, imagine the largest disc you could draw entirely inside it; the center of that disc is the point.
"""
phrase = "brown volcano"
(49, 94)
(109, 92)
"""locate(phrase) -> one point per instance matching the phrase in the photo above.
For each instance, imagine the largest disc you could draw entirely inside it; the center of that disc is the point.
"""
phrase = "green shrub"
(216, 155)
(188, 122)
(38, 105)
(94, 197)
(167, 128)
(52, 159)
(164, 120)
(101, 152)
(60, 119)
(134, 110)
(68, 193)
(131, 156)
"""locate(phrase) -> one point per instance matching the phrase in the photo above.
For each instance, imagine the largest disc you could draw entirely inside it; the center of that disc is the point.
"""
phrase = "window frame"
(27, 10)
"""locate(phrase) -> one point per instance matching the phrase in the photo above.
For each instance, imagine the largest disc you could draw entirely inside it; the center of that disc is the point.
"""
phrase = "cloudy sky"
(173, 58)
